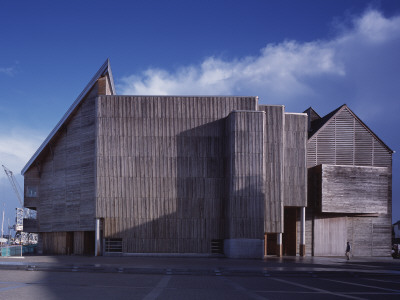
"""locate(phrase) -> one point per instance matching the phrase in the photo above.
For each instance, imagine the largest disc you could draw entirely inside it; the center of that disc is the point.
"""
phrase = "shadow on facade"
(204, 212)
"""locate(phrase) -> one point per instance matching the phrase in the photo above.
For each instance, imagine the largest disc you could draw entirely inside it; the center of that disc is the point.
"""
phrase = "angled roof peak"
(311, 112)
(312, 115)
(105, 70)
(319, 124)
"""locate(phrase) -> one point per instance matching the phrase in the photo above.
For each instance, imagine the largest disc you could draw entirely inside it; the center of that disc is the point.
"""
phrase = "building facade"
(197, 175)
(349, 186)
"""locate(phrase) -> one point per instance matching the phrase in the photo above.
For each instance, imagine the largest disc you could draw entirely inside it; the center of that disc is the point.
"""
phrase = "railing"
(17, 250)
(11, 250)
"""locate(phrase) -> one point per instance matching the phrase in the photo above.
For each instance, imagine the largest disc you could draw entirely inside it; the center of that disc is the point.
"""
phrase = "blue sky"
(297, 53)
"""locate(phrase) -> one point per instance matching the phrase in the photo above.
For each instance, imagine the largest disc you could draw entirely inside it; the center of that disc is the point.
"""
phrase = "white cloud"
(17, 147)
(276, 68)
(9, 71)
(375, 28)
(359, 65)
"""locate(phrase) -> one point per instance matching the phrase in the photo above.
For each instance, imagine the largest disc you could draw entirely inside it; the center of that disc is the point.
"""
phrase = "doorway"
(69, 243)
(271, 244)
(289, 236)
(89, 243)
(330, 235)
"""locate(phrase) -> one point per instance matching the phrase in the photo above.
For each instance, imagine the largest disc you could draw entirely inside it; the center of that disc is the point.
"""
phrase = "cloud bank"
(359, 66)
(16, 148)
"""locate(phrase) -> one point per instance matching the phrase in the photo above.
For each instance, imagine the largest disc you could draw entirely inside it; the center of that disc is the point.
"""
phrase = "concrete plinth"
(243, 248)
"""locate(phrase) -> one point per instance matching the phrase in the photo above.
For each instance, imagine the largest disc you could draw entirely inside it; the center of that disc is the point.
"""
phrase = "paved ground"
(79, 277)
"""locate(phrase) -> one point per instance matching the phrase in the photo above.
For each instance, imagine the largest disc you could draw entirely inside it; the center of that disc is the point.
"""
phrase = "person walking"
(348, 250)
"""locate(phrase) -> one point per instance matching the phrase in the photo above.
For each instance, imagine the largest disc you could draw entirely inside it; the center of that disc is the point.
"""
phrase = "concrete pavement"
(308, 266)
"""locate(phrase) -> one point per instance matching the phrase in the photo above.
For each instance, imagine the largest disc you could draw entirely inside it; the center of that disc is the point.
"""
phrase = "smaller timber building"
(205, 175)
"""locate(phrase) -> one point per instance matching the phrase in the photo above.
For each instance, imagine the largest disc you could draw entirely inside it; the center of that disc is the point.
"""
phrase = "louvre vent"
(346, 141)
(217, 246)
(113, 245)
(363, 146)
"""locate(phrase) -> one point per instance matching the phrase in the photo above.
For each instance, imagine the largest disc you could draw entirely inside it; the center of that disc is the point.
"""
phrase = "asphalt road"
(175, 278)
(20, 284)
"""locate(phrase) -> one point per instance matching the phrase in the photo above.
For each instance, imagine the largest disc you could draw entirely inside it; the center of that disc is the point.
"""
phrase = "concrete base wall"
(243, 248)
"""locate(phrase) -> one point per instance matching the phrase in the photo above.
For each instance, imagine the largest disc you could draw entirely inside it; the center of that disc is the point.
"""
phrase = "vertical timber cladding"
(295, 178)
(345, 140)
(64, 175)
(330, 235)
(295, 162)
(273, 152)
(54, 242)
(160, 170)
(361, 229)
(32, 179)
(246, 192)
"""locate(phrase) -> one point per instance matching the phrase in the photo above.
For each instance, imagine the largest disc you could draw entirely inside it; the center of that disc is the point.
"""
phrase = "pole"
(2, 224)
(97, 239)
(302, 231)
(9, 232)
(279, 244)
(265, 244)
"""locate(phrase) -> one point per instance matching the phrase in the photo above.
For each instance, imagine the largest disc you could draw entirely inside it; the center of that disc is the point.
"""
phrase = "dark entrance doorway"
(289, 235)
(271, 244)
(69, 243)
(89, 243)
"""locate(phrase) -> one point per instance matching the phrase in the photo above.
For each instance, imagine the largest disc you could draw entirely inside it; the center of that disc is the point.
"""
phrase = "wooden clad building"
(201, 175)
(349, 186)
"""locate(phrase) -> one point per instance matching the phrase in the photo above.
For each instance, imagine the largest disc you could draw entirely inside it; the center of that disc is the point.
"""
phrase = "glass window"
(31, 191)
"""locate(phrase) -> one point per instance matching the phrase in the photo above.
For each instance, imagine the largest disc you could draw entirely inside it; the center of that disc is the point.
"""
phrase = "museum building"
(207, 175)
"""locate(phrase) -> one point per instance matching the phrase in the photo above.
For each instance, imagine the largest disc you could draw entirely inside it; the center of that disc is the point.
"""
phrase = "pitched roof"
(105, 70)
(318, 124)
(313, 115)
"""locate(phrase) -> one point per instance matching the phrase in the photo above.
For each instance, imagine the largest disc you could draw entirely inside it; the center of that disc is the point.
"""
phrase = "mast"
(2, 224)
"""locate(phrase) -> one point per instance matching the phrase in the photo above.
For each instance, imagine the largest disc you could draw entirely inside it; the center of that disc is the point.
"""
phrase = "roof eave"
(355, 116)
(104, 69)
